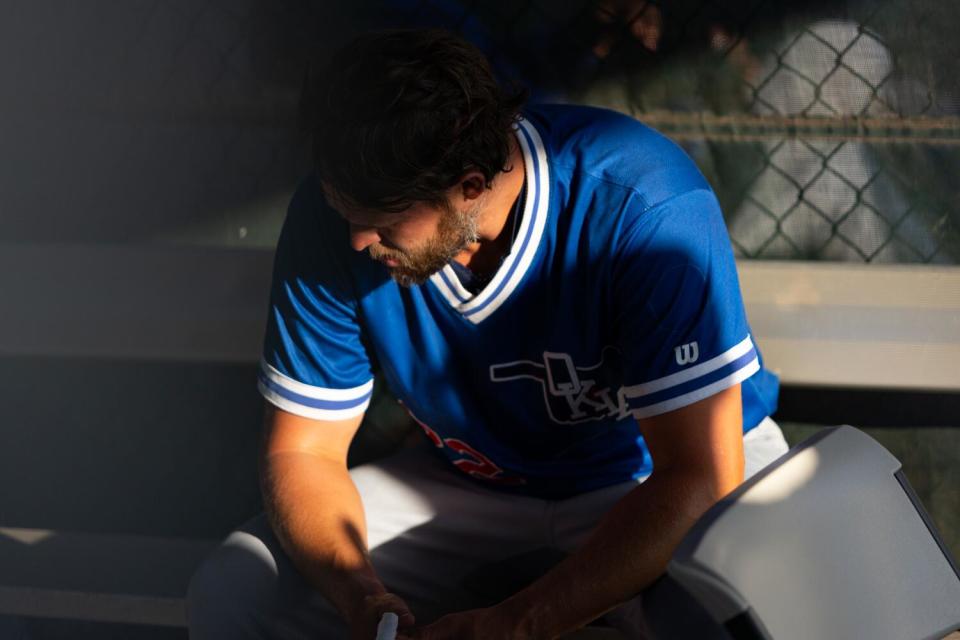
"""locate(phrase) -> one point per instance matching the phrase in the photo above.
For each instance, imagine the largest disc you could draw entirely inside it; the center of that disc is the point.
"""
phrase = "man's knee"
(234, 590)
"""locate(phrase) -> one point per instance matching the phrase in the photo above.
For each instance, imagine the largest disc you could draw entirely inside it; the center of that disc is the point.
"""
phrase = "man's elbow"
(722, 478)
(718, 474)
(700, 488)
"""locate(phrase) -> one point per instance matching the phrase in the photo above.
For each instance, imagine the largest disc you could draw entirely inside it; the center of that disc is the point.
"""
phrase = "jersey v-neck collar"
(509, 275)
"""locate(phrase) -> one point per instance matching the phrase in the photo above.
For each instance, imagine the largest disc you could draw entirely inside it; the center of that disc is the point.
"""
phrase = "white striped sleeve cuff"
(319, 403)
(692, 384)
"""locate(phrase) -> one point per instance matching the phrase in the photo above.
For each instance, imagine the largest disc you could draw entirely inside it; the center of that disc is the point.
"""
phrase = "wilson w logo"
(687, 353)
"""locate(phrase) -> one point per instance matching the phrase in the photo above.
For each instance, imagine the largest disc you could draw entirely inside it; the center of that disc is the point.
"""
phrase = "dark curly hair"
(398, 116)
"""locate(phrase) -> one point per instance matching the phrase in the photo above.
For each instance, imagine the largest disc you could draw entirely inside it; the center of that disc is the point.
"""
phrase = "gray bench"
(109, 578)
(104, 578)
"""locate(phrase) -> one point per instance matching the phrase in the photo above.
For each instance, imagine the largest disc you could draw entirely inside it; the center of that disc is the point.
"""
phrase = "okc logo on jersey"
(572, 394)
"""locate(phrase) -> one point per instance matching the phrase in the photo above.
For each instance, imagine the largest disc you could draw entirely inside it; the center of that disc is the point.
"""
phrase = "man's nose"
(362, 237)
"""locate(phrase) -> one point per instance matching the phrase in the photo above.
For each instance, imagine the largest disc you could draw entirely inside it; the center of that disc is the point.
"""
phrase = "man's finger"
(395, 605)
(406, 619)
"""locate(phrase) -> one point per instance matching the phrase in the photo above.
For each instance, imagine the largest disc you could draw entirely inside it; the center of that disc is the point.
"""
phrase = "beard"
(455, 231)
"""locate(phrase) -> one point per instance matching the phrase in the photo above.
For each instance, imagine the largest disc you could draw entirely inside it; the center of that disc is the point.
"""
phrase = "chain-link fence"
(830, 130)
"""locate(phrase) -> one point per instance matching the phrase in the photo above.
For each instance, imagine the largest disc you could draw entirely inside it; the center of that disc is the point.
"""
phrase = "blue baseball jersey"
(619, 298)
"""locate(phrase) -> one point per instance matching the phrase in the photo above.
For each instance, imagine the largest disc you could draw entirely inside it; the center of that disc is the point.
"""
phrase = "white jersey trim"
(702, 369)
(699, 394)
(460, 293)
(438, 280)
(525, 245)
(318, 393)
(280, 402)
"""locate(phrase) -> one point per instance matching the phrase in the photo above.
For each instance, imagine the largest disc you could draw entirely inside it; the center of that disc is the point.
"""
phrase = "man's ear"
(472, 185)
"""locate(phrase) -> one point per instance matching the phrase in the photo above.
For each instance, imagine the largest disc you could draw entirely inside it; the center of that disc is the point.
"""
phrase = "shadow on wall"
(130, 122)
(141, 448)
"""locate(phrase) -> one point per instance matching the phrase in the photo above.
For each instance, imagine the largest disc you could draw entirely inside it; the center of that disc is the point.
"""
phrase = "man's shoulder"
(616, 149)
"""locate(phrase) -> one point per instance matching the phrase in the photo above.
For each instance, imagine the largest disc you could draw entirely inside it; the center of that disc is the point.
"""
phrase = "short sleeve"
(314, 363)
(679, 318)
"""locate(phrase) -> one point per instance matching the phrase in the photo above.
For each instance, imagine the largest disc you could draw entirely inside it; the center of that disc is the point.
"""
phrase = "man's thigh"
(430, 529)
(248, 589)
(762, 445)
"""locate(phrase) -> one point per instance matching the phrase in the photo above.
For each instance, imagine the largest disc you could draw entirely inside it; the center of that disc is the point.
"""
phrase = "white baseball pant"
(433, 535)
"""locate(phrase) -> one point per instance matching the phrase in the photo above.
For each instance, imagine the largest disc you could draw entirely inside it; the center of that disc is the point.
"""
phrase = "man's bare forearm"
(628, 550)
(317, 515)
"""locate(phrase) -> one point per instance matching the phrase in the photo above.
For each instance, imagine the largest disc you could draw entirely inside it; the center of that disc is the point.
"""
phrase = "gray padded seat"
(827, 542)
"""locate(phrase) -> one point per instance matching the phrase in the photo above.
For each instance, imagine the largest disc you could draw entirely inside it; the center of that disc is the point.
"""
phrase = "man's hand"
(475, 624)
(363, 623)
